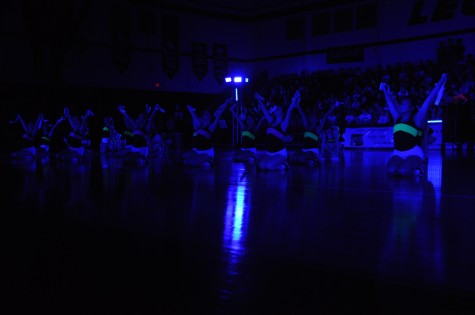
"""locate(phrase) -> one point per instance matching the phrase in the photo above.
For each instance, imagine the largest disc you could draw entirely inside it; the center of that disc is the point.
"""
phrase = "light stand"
(237, 83)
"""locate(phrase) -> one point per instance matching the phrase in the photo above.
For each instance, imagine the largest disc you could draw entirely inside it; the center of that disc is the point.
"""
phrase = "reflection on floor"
(103, 237)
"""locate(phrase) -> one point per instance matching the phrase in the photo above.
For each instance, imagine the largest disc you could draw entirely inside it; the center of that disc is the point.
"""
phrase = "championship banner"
(200, 59)
(369, 137)
(170, 44)
(220, 55)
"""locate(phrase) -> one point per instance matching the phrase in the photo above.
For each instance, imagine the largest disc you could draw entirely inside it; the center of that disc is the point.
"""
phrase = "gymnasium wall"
(119, 44)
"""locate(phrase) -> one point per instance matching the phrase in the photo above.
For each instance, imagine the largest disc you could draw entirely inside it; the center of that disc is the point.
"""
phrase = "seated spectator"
(365, 117)
(350, 119)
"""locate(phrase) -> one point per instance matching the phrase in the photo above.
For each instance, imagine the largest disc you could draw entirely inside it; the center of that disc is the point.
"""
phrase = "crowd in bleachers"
(358, 88)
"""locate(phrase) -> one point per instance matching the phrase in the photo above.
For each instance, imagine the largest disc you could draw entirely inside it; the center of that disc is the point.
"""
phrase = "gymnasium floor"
(103, 237)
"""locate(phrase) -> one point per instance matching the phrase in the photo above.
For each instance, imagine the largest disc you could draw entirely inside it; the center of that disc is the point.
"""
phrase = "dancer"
(275, 155)
(309, 154)
(76, 139)
(47, 137)
(408, 157)
(26, 147)
(249, 126)
(202, 153)
(137, 132)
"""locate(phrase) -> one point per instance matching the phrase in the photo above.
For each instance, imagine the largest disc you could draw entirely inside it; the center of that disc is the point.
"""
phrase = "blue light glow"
(235, 230)
(434, 175)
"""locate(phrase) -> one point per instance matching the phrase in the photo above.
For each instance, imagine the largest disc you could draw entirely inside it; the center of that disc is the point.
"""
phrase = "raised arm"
(56, 124)
(421, 114)
(194, 116)
(83, 128)
(155, 110)
(39, 122)
(304, 117)
(295, 102)
(236, 116)
(258, 125)
(29, 129)
(130, 124)
(219, 112)
(22, 123)
(325, 116)
(390, 101)
(263, 108)
(74, 122)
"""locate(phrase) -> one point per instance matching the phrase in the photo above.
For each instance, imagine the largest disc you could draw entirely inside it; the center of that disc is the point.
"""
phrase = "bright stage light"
(236, 79)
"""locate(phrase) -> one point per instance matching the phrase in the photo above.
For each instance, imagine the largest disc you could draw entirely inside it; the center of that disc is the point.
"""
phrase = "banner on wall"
(170, 40)
(220, 54)
(200, 59)
(382, 137)
(369, 137)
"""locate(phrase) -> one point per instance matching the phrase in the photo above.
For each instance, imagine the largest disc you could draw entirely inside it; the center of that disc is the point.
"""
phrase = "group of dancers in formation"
(321, 137)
